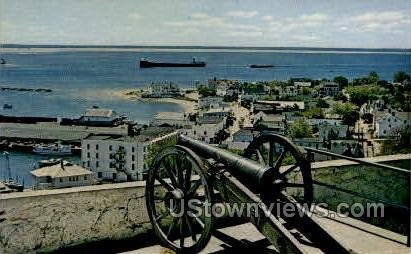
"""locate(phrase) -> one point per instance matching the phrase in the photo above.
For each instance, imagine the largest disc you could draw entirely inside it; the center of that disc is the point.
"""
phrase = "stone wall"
(50, 219)
(46, 220)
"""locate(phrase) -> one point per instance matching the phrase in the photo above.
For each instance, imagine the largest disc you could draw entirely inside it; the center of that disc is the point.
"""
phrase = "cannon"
(185, 181)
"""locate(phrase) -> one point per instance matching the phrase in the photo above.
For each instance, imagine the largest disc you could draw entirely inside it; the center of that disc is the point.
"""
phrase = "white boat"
(54, 149)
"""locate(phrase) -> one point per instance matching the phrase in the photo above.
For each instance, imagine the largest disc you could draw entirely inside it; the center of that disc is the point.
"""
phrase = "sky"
(265, 23)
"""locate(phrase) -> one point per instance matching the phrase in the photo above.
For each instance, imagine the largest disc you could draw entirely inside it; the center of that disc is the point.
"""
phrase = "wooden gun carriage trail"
(193, 172)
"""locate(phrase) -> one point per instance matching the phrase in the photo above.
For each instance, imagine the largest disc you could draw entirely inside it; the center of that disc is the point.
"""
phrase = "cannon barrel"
(252, 174)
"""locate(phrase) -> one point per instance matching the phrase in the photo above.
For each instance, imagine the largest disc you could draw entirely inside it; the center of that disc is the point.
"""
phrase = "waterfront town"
(134, 127)
(363, 117)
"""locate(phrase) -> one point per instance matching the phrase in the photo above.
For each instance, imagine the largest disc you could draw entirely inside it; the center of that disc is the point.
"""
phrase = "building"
(389, 123)
(271, 122)
(177, 119)
(209, 102)
(287, 91)
(162, 90)
(284, 105)
(327, 131)
(333, 146)
(99, 117)
(124, 158)
(329, 88)
(61, 175)
(207, 131)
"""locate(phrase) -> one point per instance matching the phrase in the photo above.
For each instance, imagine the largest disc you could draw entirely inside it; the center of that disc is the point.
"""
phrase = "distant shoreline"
(132, 94)
(202, 47)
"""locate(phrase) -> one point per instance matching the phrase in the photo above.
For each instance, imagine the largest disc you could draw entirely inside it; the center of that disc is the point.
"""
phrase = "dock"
(52, 132)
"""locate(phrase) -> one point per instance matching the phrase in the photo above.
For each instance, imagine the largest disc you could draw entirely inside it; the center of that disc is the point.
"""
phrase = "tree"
(340, 97)
(373, 77)
(314, 113)
(342, 81)
(321, 103)
(348, 112)
(362, 94)
(300, 129)
(206, 91)
(400, 76)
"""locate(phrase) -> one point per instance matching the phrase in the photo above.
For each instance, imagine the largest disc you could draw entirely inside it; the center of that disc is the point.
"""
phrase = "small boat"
(261, 66)
(2, 61)
(50, 162)
(7, 106)
(144, 63)
(53, 149)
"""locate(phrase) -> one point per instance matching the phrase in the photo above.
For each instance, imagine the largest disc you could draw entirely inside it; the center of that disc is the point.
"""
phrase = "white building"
(99, 116)
(318, 121)
(209, 102)
(205, 131)
(387, 124)
(287, 91)
(61, 175)
(177, 119)
(123, 158)
(159, 90)
(329, 88)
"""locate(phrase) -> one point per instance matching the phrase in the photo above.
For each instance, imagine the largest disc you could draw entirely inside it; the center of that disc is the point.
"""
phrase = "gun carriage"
(184, 181)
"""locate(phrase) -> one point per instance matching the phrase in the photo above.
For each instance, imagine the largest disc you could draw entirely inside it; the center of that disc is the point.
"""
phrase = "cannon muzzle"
(252, 174)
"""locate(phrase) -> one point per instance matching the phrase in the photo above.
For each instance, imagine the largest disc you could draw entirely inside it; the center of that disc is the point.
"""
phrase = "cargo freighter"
(144, 63)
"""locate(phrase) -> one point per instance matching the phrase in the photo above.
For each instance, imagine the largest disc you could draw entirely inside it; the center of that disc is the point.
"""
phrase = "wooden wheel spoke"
(170, 228)
(289, 170)
(159, 217)
(182, 232)
(278, 162)
(168, 186)
(260, 157)
(192, 233)
(188, 178)
(178, 167)
(193, 188)
(198, 220)
(168, 168)
(271, 148)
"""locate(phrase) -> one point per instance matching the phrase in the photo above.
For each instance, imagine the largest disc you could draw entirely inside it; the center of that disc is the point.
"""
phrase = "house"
(284, 105)
(388, 123)
(329, 88)
(99, 117)
(207, 131)
(177, 119)
(61, 175)
(210, 102)
(333, 146)
(328, 130)
(287, 91)
(162, 90)
(220, 114)
(242, 139)
(271, 122)
(124, 158)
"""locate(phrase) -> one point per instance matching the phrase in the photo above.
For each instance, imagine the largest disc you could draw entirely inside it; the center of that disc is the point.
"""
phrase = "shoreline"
(186, 105)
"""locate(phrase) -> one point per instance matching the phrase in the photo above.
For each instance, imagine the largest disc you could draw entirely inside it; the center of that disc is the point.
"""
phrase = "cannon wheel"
(277, 151)
(177, 175)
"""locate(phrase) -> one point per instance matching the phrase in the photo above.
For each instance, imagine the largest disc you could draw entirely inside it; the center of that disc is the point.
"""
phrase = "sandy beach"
(130, 94)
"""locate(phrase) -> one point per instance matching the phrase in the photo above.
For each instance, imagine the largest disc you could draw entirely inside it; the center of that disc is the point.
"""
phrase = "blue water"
(80, 79)
(83, 78)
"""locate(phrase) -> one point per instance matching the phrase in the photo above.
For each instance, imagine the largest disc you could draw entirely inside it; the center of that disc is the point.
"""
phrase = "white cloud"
(135, 16)
(268, 18)
(242, 14)
(245, 34)
(385, 21)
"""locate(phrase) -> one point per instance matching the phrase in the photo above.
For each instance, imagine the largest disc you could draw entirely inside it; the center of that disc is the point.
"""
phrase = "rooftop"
(165, 115)
(99, 112)
(63, 169)
(144, 134)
